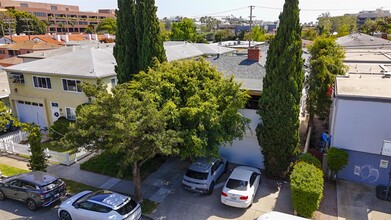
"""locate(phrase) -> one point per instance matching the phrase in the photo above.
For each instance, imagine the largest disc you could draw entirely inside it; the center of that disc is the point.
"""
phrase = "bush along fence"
(307, 188)
(10, 144)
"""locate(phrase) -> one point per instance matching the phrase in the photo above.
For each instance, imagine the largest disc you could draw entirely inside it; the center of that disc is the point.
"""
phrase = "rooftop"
(250, 73)
(364, 86)
(359, 40)
(84, 62)
(30, 45)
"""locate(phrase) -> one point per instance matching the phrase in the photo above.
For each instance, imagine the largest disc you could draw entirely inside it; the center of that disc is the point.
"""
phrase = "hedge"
(59, 128)
(308, 158)
(307, 188)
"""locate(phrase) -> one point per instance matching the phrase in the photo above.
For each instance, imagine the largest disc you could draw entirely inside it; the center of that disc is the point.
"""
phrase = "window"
(86, 205)
(2, 52)
(53, 7)
(71, 113)
(39, 14)
(113, 82)
(24, 5)
(71, 85)
(42, 82)
(16, 78)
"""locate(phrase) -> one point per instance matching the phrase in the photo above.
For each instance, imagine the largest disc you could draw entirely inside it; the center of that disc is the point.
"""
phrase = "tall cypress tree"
(125, 46)
(278, 134)
(138, 38)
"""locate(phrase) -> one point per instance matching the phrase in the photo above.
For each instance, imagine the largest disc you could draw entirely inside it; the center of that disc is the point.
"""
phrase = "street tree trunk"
(137, 182)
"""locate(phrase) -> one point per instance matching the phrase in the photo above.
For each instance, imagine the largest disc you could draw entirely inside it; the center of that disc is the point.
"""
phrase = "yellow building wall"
(65, 99)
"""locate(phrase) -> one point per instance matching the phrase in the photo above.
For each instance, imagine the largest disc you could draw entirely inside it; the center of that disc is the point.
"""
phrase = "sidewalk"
(155, 187)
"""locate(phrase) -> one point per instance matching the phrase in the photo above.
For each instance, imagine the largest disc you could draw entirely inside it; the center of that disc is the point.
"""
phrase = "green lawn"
(108, 163)
(75, 187)
(10, 171)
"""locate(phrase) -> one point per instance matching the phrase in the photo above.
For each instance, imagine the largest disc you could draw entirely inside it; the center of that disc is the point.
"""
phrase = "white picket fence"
(9, 144)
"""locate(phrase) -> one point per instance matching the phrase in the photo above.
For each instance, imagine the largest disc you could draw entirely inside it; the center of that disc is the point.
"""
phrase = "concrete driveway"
(358, 201)
(182, 204)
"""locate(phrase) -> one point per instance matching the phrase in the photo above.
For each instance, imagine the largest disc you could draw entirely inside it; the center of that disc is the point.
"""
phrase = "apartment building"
(61, 18)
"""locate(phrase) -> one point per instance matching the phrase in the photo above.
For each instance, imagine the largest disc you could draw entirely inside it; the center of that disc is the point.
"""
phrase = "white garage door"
(31, 112)
(244, 152)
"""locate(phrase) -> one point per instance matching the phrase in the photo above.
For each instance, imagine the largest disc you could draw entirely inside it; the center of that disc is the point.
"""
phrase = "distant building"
(373, 15)
(61, 18)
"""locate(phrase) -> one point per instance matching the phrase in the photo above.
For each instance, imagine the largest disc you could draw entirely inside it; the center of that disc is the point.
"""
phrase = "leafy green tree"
(138, 38)
(257, 34)
(278, 133)
(326, 63)
(223, 35)
(369, 26)
(5, 116)
(38, 160)
(343, 25)
(309, 34)
(27, 22)
(184, 30)
(181, 108)
(210, 23)
(108, 25)
(337, 159)
(165, 33)
(89, 30)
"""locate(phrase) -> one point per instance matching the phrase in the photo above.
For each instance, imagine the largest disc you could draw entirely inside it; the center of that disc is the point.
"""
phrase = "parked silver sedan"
(102, 204)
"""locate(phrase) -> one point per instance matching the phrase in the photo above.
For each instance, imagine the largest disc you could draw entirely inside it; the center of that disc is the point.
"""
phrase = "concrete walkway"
(358, 202)
(153, 188)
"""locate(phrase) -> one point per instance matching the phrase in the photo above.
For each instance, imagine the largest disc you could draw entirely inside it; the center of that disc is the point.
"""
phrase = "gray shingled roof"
(86, 62)
(250, 73)
(359, 40)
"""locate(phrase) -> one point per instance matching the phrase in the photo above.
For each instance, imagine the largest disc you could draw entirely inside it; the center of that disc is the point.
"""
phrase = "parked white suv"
(203, 174)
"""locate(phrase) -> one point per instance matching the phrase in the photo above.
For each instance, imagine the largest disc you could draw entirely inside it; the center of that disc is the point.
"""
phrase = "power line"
(221, 12)
(277, 8)
(331, 9)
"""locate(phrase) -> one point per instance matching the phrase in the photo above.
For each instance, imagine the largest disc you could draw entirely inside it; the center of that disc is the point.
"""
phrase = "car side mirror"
(76, 206)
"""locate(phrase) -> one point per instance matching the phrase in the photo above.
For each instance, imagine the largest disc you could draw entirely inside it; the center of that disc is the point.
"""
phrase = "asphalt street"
(14, 210)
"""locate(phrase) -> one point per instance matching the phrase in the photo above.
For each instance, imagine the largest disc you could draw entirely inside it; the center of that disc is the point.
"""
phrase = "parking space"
(11, 209)
(183, 204)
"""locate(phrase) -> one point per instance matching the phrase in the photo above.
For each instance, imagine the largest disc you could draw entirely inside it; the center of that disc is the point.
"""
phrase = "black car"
(36, 189)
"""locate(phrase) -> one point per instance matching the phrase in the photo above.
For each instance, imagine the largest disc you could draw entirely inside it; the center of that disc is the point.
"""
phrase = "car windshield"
(197, 175)
(127, 208)
(240, 185)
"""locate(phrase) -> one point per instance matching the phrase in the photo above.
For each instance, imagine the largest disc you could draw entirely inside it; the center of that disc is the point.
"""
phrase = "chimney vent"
(254, 54)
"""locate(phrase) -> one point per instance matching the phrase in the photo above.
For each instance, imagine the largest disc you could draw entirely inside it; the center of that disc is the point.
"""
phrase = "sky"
(267, 10)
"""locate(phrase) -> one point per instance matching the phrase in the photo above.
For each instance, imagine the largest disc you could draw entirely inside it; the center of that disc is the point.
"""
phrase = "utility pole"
(251, 21)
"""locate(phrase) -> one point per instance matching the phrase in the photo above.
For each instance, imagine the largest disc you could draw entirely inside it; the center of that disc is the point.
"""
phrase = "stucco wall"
(365, 168)
(246, 151)
(27, 92)
(361, 125)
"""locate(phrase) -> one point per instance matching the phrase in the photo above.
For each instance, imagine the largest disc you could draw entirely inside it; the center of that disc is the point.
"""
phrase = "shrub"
(337, 159)
(59, 128)
(307, 188)
(110, 164)
(308, 158)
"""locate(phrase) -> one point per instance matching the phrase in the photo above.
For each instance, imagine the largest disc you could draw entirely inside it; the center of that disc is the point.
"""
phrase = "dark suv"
(36, 189)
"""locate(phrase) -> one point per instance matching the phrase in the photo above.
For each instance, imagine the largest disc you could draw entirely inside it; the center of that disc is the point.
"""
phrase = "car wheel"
(2, 196)
(226, 167)
(211, 188)
(31, 205)
(64, 215)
